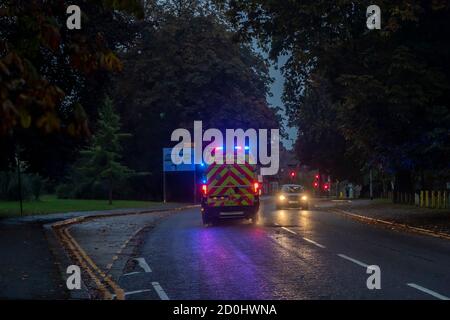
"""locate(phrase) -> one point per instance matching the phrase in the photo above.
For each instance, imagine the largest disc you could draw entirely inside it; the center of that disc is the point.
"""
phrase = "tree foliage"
(51, 78)
(383, 95)
(37, 51)
(100, 163)
(188, 67)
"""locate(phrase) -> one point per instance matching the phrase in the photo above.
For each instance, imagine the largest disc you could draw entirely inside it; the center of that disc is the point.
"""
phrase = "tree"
(51, 78)
(100, 163)
(387, 91)
(188, 67)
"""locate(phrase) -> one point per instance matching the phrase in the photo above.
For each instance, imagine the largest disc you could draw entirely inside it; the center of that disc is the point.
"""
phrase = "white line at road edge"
(160, 291)
(143, 264)
(430, 292)
(132, 292)
(314, 243)
(137, 291)
(129, 274)
(362, 264)
(288, 230)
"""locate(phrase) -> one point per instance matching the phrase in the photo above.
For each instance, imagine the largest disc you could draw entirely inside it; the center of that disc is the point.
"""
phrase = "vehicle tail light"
(256, 187)
(204, 189)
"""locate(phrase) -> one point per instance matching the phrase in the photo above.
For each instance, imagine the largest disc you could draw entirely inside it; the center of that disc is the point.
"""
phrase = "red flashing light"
(317, 176)
(256, 187)
(316, 184)
(293, 174)
(204, 189)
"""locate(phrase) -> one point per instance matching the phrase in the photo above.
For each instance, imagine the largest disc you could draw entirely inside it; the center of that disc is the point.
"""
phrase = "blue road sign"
(169, 166)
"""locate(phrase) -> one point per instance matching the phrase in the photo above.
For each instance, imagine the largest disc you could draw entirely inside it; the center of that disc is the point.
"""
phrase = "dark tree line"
(362, 98)
(179, 63)
(187, 66)
(53, 79)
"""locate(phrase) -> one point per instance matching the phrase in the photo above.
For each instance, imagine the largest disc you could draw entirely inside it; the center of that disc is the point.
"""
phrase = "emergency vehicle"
(230, 191)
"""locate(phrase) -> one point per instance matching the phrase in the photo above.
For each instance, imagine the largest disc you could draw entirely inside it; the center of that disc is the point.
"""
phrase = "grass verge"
(51, 204)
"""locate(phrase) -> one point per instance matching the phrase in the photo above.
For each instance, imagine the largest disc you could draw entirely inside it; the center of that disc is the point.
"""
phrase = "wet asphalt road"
(289, 254)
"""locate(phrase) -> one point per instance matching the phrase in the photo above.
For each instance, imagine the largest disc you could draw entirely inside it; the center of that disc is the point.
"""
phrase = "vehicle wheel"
(255, 218)
(206, 219)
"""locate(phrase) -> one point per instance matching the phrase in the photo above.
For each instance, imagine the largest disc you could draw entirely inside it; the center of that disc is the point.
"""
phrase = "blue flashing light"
(246, 148)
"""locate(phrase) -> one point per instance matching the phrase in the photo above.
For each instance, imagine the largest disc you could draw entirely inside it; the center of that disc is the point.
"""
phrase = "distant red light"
(292, 174)
(316, 184)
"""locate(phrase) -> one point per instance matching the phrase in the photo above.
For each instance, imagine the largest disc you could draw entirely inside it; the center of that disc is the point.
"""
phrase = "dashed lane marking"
(428, 291)
(288, 230)
(362, 264)
(314, 243)
(160, 291)
(306, 239)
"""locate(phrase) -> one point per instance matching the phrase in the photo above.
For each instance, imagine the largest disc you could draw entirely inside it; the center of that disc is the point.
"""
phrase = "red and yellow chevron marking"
(230, 185)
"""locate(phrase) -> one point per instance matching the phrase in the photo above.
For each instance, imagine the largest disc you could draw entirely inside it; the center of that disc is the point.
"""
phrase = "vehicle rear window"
(292, 189)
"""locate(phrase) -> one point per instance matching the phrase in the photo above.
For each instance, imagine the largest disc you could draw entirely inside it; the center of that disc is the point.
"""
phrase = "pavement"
(289, 254)
(28, 268)
(32, 263)
(435, 220)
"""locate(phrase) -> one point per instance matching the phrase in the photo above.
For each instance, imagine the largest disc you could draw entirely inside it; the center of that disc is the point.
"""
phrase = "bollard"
(421, 199)
(439, 200)
(426, 199)
(432, 199)
(445, 200)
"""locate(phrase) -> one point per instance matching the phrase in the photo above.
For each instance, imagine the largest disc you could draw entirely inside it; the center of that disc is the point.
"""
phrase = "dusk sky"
(275, 100)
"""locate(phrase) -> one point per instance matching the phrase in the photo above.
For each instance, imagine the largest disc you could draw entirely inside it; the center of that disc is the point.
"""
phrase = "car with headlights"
(292, 196)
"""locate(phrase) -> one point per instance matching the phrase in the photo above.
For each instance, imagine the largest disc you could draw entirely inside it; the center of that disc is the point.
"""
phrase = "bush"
(37, 185)
(64, 191)
(9, 186)
(123, 190)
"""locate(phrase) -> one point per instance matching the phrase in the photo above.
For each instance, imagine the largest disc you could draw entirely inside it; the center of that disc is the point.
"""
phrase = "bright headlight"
(282, 197)
(304, 198)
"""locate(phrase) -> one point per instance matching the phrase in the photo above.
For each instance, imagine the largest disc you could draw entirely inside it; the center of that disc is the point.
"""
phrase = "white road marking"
(306, 239)
(430, 292)
(160, 291)
(143, 264)
(362, 264)
(276, 224)
(315, 243)
(132, 292)
(129, 274)
(288, 230)
(137, 291)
